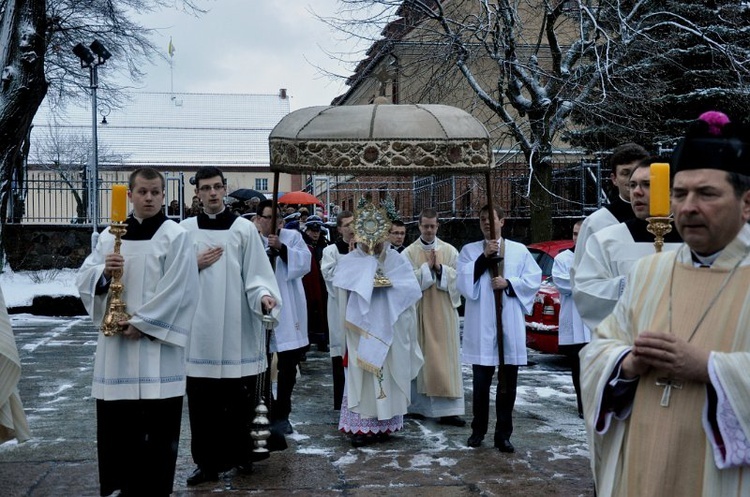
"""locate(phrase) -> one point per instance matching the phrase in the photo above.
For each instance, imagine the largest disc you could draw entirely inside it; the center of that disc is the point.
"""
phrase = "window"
(261, 184)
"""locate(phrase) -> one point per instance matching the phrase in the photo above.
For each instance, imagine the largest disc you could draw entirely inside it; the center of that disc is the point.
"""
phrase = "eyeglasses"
(398, 233)
(208, 188)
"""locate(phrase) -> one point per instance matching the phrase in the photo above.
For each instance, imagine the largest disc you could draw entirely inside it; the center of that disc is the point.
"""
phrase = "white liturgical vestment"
(160, 280)
(228, 337)
(480, 324)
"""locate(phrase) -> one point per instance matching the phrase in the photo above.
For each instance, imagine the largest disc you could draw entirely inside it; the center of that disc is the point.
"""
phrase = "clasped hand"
(667, 352)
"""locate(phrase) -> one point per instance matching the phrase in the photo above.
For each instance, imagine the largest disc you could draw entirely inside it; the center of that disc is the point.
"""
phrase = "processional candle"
(119, 203)
(659, 190)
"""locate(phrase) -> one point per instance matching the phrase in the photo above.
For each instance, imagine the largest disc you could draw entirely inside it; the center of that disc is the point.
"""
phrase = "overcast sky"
(251, 46)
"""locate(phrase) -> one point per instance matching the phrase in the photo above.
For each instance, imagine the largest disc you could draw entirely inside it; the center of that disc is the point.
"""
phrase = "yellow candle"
(659, 190)
(119, 203)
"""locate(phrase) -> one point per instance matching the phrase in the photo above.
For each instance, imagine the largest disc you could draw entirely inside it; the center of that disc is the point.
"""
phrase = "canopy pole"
(275, 202)
(497, 292)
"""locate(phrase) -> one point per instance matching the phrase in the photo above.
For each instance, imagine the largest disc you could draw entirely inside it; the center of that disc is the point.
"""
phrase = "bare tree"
(36, 38)
(523, 67)
(67, 155)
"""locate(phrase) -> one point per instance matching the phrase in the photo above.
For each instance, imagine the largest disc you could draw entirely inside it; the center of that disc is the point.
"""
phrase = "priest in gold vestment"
(438, 390)
(665, 379)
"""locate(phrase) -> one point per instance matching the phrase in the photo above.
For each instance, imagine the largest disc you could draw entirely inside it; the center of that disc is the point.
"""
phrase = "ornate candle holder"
(659, 226)
(115, 305)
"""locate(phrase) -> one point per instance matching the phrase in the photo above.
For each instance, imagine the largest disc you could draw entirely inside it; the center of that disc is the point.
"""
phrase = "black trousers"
(137, 445)
(221, 414)
(287, 377)
(571, 352)
(337, 366)
(504, 402)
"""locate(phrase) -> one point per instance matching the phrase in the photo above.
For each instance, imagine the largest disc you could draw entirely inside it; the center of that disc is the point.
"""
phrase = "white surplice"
(571, 329)
(336, 300)
(594, 222)
(291, 332)
(228, 337)
(480, 324)
(601, 274)
(160, 280)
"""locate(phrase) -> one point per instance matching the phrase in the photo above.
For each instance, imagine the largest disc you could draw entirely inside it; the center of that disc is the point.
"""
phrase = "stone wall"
(37, 247)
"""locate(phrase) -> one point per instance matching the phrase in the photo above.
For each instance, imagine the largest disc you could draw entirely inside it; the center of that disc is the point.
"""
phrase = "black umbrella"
(246, 194)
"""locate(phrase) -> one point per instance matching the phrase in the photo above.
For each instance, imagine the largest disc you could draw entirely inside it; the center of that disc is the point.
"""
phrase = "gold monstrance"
(371, 226)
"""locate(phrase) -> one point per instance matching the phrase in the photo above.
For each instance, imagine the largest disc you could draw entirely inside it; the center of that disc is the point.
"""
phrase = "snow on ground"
(19, 289)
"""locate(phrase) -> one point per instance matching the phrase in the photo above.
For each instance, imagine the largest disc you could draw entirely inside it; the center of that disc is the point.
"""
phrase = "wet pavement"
(425, 459)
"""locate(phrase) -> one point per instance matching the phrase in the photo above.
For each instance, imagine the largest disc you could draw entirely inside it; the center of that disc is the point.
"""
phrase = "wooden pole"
(275, 200)
(497, 292)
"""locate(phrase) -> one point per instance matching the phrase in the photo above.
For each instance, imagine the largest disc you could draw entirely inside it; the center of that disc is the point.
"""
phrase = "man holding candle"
(602, 271)
(227, 349)
(665, 384)
(622, 161)
(139, 374)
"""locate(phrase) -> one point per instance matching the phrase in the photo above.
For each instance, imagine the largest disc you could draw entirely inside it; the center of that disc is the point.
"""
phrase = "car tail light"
(549, 312)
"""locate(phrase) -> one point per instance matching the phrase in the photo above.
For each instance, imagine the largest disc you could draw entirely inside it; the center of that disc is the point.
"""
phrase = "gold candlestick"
(659, 226)
(115, 306)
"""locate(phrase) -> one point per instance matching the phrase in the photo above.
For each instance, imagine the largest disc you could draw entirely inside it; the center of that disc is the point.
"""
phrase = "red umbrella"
(299, 197)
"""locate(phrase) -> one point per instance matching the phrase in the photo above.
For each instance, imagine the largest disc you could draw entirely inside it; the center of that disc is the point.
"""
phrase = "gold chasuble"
(661, 448)
(670, 439)
(437, 327)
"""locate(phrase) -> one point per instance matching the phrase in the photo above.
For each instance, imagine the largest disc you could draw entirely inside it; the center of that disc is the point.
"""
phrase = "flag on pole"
(170, 49)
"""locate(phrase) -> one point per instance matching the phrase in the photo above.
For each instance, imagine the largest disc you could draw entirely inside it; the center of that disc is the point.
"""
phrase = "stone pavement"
(425, 459)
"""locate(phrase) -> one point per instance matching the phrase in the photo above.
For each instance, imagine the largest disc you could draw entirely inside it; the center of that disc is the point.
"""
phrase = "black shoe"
(285, 427)
(414, 415)
(505, 446)
(382, 437)
(452, 421)
(200, 476)
(322, 347)
(475, 440)
(361, 440)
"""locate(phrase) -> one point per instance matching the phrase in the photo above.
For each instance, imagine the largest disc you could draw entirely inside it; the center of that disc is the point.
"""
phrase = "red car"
(542, 324)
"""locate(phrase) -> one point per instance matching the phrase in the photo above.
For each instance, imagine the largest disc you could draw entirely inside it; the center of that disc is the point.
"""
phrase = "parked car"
(542, 325)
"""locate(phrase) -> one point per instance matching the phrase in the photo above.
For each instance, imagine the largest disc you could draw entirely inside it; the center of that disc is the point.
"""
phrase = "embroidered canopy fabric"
(380, 139)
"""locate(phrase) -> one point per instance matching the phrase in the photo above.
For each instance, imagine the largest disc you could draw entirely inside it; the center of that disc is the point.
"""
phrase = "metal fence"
(51, 197)
(575, 191)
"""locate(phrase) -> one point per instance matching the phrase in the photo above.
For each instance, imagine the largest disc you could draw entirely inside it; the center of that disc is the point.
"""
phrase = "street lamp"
(92, 57)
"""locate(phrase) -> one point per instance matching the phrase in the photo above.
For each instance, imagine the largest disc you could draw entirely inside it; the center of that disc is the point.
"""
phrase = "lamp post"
(92, 57)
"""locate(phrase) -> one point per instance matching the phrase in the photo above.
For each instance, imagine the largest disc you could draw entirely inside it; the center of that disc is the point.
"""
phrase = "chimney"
(282, 94)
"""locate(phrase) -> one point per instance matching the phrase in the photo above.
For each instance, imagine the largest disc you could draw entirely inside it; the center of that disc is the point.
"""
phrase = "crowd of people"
(658, 341)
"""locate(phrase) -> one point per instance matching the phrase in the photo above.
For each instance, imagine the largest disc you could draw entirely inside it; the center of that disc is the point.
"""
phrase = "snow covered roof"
(170, 129)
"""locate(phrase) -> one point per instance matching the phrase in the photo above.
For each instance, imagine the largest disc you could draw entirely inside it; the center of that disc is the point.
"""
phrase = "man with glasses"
(608, 254)
(291, 260)
(227, 349)
(397, 235)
